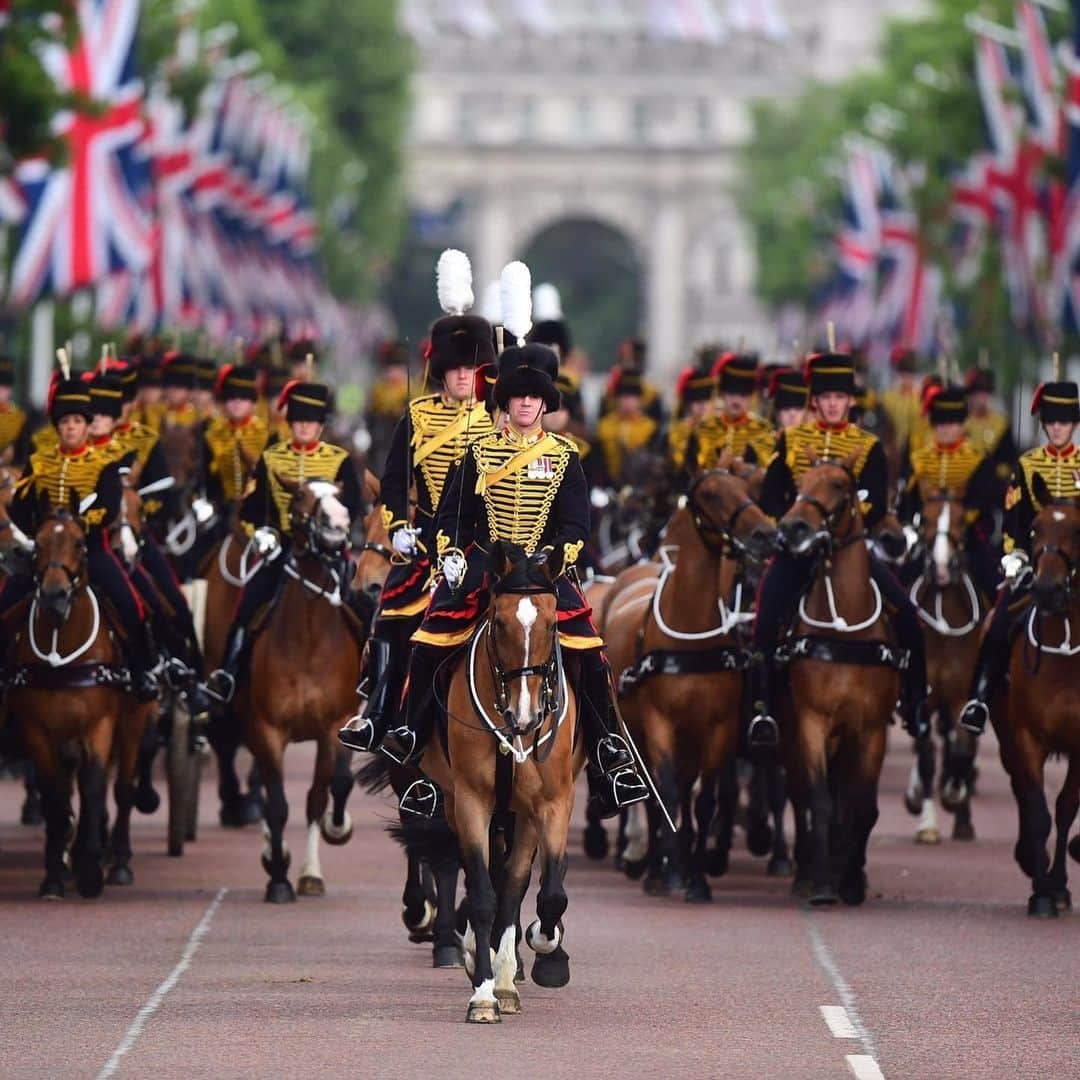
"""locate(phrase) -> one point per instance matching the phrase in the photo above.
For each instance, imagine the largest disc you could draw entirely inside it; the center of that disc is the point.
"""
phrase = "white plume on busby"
(515, 294)
(547, 303)
(453, 282)
(491, 305)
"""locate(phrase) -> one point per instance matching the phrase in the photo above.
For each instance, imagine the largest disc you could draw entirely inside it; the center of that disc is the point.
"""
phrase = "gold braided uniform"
(618, 436)
(825, 442)
(986, 431)
(679, 440)
(138, 438)
(388, 399)
(1060, 471)
(45, 438)
(183, 416)
(12, 422)
(58, 473)
(717, 433)
(231, 447)
(904, 410)
(150, 415)
(284, 460)
(936, 468)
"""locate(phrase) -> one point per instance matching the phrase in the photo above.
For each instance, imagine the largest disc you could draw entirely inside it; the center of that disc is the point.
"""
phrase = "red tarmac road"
(189, 974)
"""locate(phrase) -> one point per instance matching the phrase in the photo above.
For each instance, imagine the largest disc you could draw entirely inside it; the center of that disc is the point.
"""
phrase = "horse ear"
(291, 486)
(550, 560)
(811, 455)
(1039, 490)
(500, 558)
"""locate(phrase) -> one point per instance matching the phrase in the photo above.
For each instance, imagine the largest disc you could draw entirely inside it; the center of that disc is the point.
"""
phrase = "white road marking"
(864, 1067)
(839, 1022)
(153, 1003)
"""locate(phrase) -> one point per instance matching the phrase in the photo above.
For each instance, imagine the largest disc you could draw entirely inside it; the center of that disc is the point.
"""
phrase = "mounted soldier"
(732, 427)
(428, 441)
(525, 487)
(790, 398)
(149, 401)
(628, 427)
(550, 328)
(14, 425)
(74, 468)
(694, 393)
(266, 510)
(952, 465)
(1052, 469)
(389, 397)
(633, 354)
(988, 427)
(830, 436)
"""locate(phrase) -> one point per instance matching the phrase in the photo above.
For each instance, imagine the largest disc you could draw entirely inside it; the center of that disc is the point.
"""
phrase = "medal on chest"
(541, 469)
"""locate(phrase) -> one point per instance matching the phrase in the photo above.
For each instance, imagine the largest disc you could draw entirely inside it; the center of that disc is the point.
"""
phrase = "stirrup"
(399, 744)
(613, 755)
(628, 787)
(974, 716)
(763, 733)
(358, 734)
(421, 799)
(221, 686)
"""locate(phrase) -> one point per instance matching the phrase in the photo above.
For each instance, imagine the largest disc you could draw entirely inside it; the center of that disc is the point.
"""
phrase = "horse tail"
(374, 777)
(429, 839)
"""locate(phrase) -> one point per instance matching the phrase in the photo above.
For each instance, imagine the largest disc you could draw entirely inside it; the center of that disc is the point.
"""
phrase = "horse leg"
(269, 750)
(318, 802)
(960, 749)
(1065, 810)
(127, 752)
(147, 800)
(1034, 824)
(812, 730)
(758, 831)
(337, 827)
(723, 827)
(417, 912)
(776, 781)
(472, 819)
(446, 866)
(31, 812)
(233, 811)
(664, 873)
(545, 936)
(704, 810)
(55, 787)
(596, 837)
(862, 803)
(515, 882)
(634, 842)
(920, 793)
(89, 843)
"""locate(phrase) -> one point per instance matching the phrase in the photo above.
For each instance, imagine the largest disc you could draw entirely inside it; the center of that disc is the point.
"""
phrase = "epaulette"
(566, 441)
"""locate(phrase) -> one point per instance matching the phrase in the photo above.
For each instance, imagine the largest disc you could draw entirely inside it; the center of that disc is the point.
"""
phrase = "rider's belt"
(837, 651)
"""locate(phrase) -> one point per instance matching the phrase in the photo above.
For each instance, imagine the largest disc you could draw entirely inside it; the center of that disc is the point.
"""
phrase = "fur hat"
(304, 401)
(738, 374)
(788, 389)
(829, 372)
(1057, 402)
(69, 397)
(695, 384)
(945, 404)
(528, 370)
(106, 393)
(7, 371)
(178, 371)
(236, 381)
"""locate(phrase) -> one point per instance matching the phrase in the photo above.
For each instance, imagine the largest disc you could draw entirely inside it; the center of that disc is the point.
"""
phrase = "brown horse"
(950, 609)
(521, 759)
(1043, 712)
(842, 694)
(71, 710)
(376, 554)
(305, 664)
(678, 646)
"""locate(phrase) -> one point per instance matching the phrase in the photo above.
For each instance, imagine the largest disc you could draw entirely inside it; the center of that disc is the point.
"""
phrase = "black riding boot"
(405, 744)
(140, 658)
(990, 669)
(763, 732)
(614, 781)
(222, 683)
(366, 729)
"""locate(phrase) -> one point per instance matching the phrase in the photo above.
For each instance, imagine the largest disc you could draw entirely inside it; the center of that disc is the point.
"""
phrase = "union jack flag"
(1039, 76)
(83, 220)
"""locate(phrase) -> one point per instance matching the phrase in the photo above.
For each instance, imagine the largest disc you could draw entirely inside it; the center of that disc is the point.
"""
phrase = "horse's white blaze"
(637, 834)
(1057, 515)
(312, 867)
(333, 509)
(506, 960)
(484, 994)
(941, 552)
(526, 615)
(58, 529)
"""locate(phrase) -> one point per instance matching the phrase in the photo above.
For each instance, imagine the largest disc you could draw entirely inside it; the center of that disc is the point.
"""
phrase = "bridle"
(60, 604)
(831, 517)
(718, 537)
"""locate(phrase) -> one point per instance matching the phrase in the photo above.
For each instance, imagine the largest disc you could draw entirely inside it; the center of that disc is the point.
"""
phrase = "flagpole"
(42, 349)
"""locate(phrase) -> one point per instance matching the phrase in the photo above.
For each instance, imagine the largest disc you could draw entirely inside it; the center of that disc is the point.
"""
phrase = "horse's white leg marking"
(526, 615)
(311, 867)
(484, 994)
(928, 823)
(637, 834)
(468, 950)
(538, 941)
(331, 829)
(914, 787)
(506, 960)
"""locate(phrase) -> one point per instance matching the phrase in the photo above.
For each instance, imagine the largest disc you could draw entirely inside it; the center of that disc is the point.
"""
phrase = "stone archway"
(601, 278)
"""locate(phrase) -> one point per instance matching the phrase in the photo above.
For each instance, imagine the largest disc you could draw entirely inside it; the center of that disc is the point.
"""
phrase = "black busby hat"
(904, 360)
(178, 371)
(236, 381)
(1057, 402)
(622, 383)
(830, 372)
(737, 374)
(150, 368)
(695, 384)
(68, 397)
(391, 353)
(205, 373)
(304, 401)
(945, 404)
(633, 353)
(549, 326)
(528, 370)
(457, 339)
(788, 389)
(106, 393)
(980, 379)
(128, 371)
(7, 371)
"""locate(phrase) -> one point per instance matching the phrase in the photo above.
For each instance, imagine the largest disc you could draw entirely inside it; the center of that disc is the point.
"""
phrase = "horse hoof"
(780, 867)
(698, 892)
(509, 1002)
(596, 841)
(656, 885)
(963, 830)
(634, 869)
(31, 814)
(483, 1012)
(446, 956)
(147, 800)
(90, 880)
(822, 896)
(759, 838)
(336, 835)
(1062, 899)
(1074, 847)
(717, 862)
(120, 874)
(51, 890)
(279, 892)
(929, 835)
(853, 892)
(308, 885)
(551, 970)
(1042, 907)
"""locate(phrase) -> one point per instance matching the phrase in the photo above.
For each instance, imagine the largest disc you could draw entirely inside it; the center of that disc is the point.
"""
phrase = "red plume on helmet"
(931, 393)
(1036, 401)
(685, 376)
(222, 375)
(483, 378)
(286, 390)
(774, 380)
(54, 382)
(614, 379)
(722, 362)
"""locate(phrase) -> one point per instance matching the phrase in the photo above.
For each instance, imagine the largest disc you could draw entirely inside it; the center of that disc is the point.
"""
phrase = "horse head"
(522, 630)
(318, 515)
(376, 554)
(826, 508)
(60, 556)
(942, 536)
(1055, 548)
(724, 512)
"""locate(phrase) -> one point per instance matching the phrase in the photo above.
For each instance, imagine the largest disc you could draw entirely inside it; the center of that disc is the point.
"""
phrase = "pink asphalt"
(941, 972)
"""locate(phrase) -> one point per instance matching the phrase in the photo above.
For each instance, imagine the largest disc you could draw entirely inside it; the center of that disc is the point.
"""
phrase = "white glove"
(911, 538)
(599, 498)
(404, 540)
(128, 544)
(453, 568)
(1016, 567)
(266, 542)
(203, 510)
